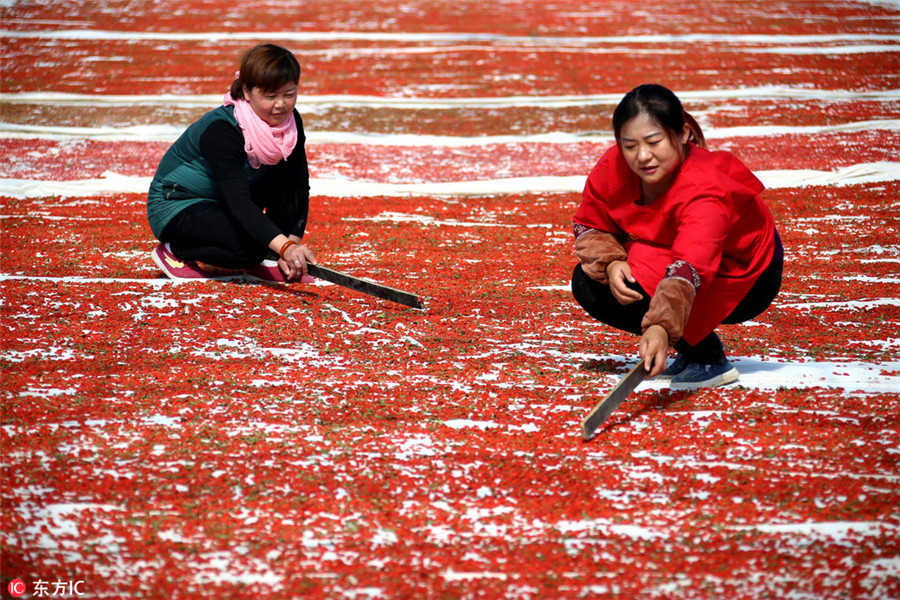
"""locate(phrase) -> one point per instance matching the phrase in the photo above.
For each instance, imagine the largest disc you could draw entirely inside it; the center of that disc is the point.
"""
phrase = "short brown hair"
(267, 67)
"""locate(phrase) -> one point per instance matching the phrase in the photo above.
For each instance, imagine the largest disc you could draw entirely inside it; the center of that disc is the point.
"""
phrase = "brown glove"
(596, 249)
(670, 307)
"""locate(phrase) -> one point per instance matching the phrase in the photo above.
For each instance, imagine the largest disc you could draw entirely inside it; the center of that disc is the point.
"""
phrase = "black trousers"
(208, 233)
(598, 301)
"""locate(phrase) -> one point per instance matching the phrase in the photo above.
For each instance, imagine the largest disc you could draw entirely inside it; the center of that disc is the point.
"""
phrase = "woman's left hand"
(653, 349)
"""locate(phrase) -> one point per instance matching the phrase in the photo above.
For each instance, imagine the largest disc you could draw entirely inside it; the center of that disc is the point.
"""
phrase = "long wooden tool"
(612, 401)
(366, 287)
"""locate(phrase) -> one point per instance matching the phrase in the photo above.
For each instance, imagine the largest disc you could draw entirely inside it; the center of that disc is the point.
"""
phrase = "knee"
(577, 275)
(580, 285)
(250, 257)
(242, 255)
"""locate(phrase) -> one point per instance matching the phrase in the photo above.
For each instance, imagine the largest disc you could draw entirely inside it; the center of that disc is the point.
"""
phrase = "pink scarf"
(264, 144)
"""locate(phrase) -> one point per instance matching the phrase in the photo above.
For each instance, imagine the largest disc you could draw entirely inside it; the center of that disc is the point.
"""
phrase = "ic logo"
(16, 588)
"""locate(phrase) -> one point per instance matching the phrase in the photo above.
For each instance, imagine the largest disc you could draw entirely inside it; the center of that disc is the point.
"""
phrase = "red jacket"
(711, 216)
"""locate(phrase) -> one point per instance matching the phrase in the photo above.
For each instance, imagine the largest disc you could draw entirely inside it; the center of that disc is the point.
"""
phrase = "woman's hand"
(653, 348)
(619, 272)
(295, 261)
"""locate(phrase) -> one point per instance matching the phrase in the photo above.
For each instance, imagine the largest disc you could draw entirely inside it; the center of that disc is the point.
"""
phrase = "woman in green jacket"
(233, 190)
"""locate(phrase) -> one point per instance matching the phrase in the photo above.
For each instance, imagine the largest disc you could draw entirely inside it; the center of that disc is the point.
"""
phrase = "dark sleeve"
(290, 180)
(222, 145)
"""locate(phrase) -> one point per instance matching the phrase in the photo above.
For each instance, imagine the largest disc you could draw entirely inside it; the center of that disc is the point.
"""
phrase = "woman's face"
(653, 152)
(273, 107)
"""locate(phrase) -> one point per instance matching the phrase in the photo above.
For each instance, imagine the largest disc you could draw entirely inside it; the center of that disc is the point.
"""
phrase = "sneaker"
(268, 272)
(696, 375)
(174, 267)
(678, 365)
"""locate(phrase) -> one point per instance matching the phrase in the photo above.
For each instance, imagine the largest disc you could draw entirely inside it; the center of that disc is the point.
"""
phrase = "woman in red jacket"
(673, 240)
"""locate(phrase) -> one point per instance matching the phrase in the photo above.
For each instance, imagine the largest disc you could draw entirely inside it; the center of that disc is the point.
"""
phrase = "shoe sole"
(719, 380)
(664, 377)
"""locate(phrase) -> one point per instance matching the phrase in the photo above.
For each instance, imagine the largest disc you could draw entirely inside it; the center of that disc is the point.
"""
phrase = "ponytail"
(237, 87)
(696, 135)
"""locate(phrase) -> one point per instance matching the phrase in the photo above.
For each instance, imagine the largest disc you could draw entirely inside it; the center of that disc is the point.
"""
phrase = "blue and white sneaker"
(678, 365)
(696, 375)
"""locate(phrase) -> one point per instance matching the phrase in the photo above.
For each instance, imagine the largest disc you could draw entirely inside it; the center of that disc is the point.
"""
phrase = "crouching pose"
(673, 240)
(233, 190)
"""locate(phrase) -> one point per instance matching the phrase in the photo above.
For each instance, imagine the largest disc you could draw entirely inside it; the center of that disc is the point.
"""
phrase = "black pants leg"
(207, 233)
(708, 351)
(597, 299)
(763, 292)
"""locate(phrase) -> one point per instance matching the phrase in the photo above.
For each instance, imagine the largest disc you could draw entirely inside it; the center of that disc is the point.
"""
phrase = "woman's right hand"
(653, 347)
(619, 272)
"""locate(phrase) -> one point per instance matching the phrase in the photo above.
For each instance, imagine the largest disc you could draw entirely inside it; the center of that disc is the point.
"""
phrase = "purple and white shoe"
(174, 267)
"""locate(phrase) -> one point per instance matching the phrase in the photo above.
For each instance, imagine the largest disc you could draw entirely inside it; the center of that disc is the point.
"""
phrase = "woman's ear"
(685, 134)
(246, 92)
